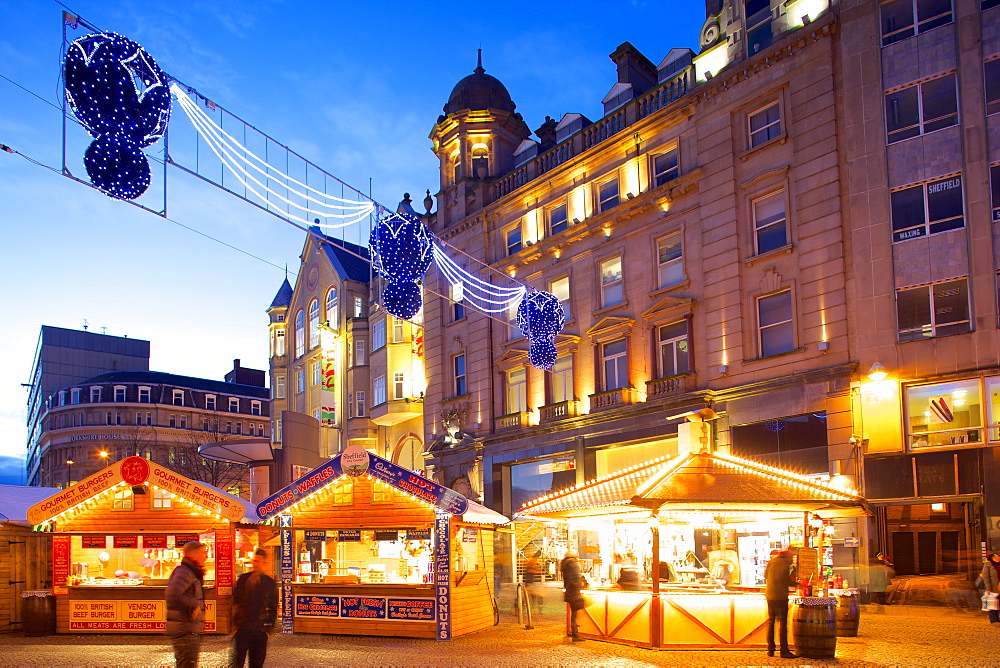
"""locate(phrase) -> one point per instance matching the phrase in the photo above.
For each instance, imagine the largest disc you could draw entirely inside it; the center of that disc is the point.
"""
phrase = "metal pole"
(654, 614)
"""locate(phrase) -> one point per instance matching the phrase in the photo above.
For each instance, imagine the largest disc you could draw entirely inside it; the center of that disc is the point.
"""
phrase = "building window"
(480, 161)
(239, 428)
(378, 335)
(313, 323)
(927, 208)
(765, 125)
(458, 367)
(774, 315)
(608, 195)
(118, 417)
(560, 289)
(758, 25)
(138, 417)
(513, 239)
(898, 23)
(666, 167)
(279, 386)
(95, 395)
(993, 407)
(149, 419)
(359, 352)
(234, 405)
(378, 391)
(670, 266)
(992, 73)
(300, 333)
(119, 394)
(177, 398)
(359, 307)
(557, 219)
(315, 373)
(254, 408)
(277, 430)
(517, 390)
(944, 414)
(279, 341)
(673, 342)
(514, 332)
(457, 307)
(144, 395)
(611, 282)
(920, 109)
(209, 402)
(229, 426)
(399, 385)
(562, 379)
(343, 491)
(74, 395)
(397, 330)
(123, 499)
(300, 381)
(184, 422)
(172, 421)
(359, 403)
(769, 222)
(381, 492)
(615, 358)
(995, 190)
(332, 318)
(939, 309)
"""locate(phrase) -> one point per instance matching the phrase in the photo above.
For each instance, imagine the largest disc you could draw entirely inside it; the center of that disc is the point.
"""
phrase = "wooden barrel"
(848, 616)
(814, 629)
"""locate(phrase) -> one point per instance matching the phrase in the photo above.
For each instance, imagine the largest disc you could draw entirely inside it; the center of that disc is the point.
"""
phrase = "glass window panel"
(557, 219)
(666, 167)
(995, 190)
(944, 414)
(513, 240)
(992, 74)
(993, 406)
(940, 103)
(533, 479)
(769, 222)
(609, 194)
(798, 442)
(902, 114)
(945, 210)
(951, 302)
(933, 13)
(936, 474)
(889, 477)
(562, 379)
(775, 309)
(913, 308)
(669, 251)
(907, 207)
(897, 20)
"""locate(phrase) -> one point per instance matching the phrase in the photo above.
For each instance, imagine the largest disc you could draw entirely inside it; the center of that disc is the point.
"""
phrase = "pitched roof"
(344, 256)
(187, 382)
(284, 297)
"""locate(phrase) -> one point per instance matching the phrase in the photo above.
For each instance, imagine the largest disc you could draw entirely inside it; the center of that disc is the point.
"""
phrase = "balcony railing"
(623, 396)
(560, 410)
(669, 386)
(511, 421)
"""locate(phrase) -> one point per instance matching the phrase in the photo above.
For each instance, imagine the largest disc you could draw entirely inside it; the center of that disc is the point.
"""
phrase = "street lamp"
(103, 454)
(69, 472)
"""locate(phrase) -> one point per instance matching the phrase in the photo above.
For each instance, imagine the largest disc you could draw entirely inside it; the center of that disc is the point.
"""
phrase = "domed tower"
(474, 140)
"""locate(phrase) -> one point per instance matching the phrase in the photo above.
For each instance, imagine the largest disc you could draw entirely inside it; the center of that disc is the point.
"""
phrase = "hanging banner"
(328, 393)
(286, 572)
(426, 490)
(224, 563)
(442, 575)
(307, 484)
(60, 564)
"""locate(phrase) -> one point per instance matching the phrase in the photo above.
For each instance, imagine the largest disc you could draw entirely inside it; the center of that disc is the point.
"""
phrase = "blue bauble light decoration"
(541, 317)
(401, 253)
(121, 96)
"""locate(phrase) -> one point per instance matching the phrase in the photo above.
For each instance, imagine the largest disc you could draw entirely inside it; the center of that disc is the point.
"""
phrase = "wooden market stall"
(26, 566)
(117, 535)
(370, 548)
(697, 530)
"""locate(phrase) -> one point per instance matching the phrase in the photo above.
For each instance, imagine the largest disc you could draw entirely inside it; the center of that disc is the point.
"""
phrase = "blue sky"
(353, 87)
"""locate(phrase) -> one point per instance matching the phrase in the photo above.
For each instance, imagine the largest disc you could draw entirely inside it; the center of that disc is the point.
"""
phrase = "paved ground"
(899, 635)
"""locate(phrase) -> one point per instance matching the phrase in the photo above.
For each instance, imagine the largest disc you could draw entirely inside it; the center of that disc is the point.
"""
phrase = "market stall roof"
(16, 499)
(238, 451)
(137, 471)
(356, 461)
(705, 481)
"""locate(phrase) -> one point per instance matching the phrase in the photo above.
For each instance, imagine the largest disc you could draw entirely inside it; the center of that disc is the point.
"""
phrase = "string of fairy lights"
(122, 98)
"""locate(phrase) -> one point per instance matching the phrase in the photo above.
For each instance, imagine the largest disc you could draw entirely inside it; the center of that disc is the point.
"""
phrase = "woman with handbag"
(991, 581)
(572, 584)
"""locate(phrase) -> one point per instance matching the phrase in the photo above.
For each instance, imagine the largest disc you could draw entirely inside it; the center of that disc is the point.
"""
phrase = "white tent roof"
(16, 499)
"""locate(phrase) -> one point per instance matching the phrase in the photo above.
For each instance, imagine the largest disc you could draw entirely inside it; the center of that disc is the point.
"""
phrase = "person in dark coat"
(628, 579)
(991, 582)
(572, 584)
(186, 605)
(779, 575)
(254, 611)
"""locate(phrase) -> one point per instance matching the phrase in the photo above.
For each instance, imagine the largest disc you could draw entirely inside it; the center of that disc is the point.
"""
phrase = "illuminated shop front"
(675, 549)
(118, 534)
(370, 548)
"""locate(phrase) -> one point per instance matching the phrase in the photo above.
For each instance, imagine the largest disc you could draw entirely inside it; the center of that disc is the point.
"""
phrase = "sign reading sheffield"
(402, 479)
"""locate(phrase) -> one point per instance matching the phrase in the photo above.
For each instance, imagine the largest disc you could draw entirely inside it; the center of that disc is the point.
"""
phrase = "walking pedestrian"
(254, 611)
(879, 578)
(186, 605)
(572, 584)
(779, 575)
(991, 581)
(533, 580)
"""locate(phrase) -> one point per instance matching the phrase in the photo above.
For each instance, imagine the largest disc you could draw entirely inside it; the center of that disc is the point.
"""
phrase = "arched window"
(480, 161)
(313, 323)
(300, 334)
(332, 316)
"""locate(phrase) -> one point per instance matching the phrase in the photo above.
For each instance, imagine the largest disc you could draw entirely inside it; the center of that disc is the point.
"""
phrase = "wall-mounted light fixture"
(877, 372)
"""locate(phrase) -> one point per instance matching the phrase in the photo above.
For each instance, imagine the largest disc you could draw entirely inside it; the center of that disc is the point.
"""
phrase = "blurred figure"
(572, 584)
(879, 578)
(533, 580)
(667, 572)
(186, 605)
(991, 582)
(628, 579)
(254, 611)
(779, 576)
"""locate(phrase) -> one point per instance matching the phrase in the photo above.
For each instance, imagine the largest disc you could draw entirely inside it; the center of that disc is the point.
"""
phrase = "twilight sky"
(353, 87)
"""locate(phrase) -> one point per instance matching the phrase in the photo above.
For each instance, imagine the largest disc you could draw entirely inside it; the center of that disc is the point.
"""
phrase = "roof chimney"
(547, 133)
(634, 68)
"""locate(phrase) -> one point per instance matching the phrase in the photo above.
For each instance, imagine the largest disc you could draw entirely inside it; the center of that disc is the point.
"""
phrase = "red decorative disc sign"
(135, 470)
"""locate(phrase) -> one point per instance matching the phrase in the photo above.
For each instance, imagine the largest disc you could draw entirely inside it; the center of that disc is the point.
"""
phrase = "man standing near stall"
(255, 609)
(186, 605)
(779, 576)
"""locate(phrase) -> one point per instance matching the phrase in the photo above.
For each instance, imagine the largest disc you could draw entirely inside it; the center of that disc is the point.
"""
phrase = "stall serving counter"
(675, 549)
(369, 548)
(117, 535)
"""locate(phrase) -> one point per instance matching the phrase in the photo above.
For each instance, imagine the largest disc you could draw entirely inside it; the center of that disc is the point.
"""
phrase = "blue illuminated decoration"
(401, 253)
(121, 97)
(541, 317)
